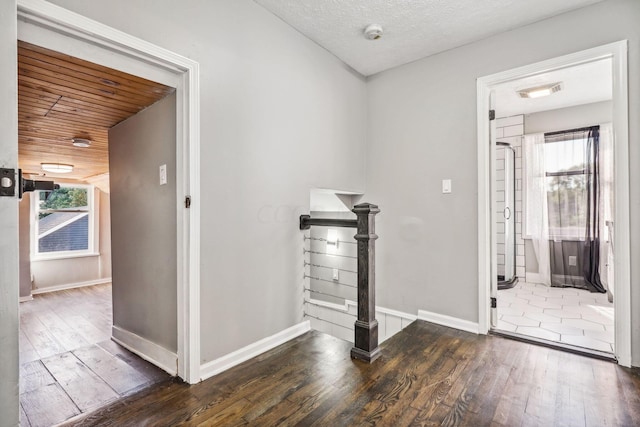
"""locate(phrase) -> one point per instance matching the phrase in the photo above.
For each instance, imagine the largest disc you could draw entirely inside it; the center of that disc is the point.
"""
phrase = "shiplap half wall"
(330, 283)
(511, 131)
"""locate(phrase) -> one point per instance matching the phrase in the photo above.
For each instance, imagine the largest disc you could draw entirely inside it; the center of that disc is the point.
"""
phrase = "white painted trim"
(389, 311)
(451, 322)
(617, 52)
(149, 351)
(27, 298)
(230, 360)
(48, 289)
(62, 21)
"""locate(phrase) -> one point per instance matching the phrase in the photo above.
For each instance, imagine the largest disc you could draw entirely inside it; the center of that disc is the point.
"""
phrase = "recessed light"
(56, 167)
(81, 142)
(540, 91)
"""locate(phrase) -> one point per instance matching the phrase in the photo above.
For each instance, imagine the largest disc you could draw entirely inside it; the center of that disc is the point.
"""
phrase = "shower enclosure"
(506, 218)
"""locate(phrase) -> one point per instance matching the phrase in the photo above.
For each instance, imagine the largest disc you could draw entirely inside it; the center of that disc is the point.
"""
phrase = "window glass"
(566, 182)
(63, 223)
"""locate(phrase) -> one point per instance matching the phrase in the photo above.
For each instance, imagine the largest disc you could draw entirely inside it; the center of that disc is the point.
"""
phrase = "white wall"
(569, 118)
(422, 129)
(280, 115)
(9, 277)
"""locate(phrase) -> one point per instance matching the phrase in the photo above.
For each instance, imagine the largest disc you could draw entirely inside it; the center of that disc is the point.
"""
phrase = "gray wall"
(422, 128)
(143, 224)
(280, 115)
(569, 118)
(25, 246)
(9, 275)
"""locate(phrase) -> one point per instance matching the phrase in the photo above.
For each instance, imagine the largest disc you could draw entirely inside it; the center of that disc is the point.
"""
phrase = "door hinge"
(492, 114)
(187, 202)
(494, 302)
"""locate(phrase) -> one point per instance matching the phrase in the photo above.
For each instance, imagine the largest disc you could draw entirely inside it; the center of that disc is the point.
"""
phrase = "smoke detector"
(373, 32)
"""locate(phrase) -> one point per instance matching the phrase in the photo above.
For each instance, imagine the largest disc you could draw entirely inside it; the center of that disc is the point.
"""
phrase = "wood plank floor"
(68, 364)
(427, 375)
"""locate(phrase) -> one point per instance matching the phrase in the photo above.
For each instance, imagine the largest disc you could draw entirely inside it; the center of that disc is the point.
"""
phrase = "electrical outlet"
(336, 274)
(573, 261)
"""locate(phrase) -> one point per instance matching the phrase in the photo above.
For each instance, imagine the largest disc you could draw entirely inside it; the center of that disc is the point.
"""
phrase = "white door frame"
(617, 52)
(186, 75)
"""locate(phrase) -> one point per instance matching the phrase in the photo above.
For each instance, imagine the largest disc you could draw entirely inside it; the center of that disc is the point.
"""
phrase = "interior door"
(494, 213)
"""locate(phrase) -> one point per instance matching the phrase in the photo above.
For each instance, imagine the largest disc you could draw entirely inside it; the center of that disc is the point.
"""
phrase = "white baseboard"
(452, 322)
(27, 298)
(70, 286)
(149, 351)
(230, 360)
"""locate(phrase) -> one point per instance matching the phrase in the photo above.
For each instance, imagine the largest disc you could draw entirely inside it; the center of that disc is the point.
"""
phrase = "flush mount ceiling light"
(540, 91)
(81, 142)
(56, 167)
(373, 32)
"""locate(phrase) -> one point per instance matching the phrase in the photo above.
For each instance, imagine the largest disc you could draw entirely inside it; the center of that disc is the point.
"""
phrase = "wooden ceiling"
(61, 97)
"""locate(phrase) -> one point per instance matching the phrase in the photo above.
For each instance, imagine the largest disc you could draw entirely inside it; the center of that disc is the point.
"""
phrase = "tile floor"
(568, 315)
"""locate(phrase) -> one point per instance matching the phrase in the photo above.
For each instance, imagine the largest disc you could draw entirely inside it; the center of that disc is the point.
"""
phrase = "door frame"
(185, 73)
(617, 52)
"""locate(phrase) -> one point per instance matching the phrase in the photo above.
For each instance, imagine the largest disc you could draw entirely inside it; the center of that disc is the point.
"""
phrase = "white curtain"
(606, 205)
(536, 209)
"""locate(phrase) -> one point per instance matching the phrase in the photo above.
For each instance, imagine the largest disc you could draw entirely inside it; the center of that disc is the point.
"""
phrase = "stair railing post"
(366, 327)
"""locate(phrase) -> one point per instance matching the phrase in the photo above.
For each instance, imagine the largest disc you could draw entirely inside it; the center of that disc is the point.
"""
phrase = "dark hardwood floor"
(68, 364)
(427, 375)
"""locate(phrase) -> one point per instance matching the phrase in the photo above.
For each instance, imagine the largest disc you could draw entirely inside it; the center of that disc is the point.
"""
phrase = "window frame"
(92, 247)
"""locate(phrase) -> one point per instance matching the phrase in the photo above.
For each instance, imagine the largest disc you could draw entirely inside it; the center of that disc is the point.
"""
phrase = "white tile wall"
(510, 130)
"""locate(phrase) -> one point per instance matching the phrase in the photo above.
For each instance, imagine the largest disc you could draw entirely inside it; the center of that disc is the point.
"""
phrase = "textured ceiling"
(582, 84)
(413, 29)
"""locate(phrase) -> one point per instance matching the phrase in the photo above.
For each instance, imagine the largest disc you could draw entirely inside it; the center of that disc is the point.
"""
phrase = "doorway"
(547, 322)
(54, 28)
(71, 116)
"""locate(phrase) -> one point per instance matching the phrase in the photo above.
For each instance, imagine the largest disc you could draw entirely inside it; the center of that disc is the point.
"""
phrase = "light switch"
(446, 186)
(163, 174)
(336, 274)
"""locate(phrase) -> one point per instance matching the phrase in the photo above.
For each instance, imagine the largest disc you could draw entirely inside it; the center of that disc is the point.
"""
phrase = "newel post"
(366, 327)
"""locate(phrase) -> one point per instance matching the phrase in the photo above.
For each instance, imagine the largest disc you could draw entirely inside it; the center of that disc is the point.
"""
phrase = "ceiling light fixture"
(81, 142)
(540, 91)
(373, 32)
(56, 167)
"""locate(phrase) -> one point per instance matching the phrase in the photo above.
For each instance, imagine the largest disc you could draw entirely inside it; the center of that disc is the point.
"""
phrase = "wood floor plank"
(115, 372)
(48, 405)
(24, 420)
(34, 375)
(85, 388)
(73, 319)
(427, 375)
(153, 373)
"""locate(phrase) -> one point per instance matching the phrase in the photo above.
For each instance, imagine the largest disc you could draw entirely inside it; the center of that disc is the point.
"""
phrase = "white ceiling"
(413, 29)
(581, 84)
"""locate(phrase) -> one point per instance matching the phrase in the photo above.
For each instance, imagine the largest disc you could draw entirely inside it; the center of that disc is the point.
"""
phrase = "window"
(566, 184)
(63, 222)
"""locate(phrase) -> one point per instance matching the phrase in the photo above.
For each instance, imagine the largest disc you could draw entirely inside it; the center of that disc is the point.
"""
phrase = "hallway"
(68, 363)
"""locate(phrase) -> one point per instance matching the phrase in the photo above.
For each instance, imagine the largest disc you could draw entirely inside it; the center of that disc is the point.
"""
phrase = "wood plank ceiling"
(61, 97)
